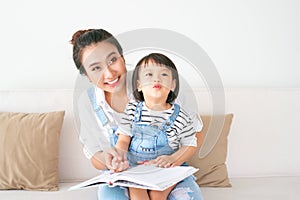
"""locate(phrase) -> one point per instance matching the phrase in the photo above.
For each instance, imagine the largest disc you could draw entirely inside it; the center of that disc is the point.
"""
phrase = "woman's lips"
(113, 82)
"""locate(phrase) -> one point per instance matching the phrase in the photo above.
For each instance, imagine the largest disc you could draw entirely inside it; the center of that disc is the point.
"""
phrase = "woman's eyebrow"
(99, 62)
(110, 54)
(95, 63)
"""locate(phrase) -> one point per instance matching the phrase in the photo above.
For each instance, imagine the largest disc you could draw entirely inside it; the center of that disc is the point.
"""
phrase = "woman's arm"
(98, 161)
(92, 135)
(103, 159)
(113, 158)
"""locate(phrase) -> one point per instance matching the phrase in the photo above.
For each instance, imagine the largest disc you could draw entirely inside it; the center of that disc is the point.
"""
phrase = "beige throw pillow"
(212, 168)
(29, 144)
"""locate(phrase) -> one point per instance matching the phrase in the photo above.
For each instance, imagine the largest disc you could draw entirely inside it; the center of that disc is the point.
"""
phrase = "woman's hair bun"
(77, 34)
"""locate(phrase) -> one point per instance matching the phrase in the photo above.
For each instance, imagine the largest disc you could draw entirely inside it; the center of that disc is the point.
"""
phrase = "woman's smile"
(112, 83)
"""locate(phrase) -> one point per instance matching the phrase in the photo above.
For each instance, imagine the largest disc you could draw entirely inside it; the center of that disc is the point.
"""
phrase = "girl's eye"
(112, 61)
(148, 74)
(165, 74)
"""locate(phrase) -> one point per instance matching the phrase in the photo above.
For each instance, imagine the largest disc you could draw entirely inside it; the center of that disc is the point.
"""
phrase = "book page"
(141, 176)
(154, 177)
(103, 178)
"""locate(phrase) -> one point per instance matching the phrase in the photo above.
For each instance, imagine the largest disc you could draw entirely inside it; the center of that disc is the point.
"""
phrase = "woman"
(99, 57)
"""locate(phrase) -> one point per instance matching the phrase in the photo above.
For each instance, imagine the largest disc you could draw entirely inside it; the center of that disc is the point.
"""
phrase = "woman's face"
(105, 67)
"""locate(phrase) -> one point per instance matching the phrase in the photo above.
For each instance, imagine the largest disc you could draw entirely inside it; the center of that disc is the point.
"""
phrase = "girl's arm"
(177, 158)
(123, 142)
(181, 155)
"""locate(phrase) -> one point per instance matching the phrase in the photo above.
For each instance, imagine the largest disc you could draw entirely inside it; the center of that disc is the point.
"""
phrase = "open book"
(141, 176)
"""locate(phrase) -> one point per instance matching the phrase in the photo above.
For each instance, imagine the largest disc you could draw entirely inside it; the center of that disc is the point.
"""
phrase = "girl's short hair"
(84, 38)
(159, 59)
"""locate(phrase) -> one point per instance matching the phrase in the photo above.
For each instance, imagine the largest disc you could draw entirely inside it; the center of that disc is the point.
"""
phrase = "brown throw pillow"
(212, 168)
(29, 144)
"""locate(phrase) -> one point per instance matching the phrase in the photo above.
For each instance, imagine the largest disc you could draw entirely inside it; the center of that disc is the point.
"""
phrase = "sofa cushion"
(29, 144)
(212, 168)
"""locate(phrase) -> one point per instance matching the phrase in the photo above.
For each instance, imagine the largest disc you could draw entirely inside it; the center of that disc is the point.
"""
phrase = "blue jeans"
(184, 190)
(106, 192)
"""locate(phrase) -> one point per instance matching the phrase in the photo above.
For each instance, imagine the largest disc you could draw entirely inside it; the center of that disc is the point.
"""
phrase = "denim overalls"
(148, 140)
(102, 116)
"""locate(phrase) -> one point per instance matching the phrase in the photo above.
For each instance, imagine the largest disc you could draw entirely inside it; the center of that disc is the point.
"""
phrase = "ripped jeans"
(186, 189)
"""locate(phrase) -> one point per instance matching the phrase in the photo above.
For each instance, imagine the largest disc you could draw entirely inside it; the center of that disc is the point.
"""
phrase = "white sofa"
(263, 161)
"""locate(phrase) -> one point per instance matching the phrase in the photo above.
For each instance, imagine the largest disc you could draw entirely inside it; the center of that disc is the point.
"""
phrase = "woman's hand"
(115, 159)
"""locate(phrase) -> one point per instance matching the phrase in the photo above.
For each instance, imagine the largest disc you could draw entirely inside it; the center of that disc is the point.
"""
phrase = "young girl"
(153, 128)
(99, 57)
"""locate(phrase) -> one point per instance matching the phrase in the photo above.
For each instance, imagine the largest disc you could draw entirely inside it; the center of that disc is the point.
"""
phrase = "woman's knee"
(112, 193)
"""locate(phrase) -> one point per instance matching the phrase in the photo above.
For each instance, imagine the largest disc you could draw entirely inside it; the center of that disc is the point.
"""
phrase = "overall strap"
(170, 121)
(97, 109)
(138, 112)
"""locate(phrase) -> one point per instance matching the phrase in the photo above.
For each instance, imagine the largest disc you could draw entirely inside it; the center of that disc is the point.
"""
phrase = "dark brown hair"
(84, 38)
(159, 59)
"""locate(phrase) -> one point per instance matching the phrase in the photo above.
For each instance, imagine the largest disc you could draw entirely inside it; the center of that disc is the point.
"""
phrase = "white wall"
(252, 43)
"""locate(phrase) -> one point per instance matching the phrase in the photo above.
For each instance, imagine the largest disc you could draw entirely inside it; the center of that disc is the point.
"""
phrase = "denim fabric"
(112, 136)
(97, 109)
(106, 192)
(149, 141)
(102, 116)
(187, 189)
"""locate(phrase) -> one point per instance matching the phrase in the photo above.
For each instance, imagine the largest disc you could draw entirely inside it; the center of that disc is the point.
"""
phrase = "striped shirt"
(182, 133)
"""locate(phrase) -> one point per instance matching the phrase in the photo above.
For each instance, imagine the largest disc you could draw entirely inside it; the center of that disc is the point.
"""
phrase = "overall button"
(111, 131)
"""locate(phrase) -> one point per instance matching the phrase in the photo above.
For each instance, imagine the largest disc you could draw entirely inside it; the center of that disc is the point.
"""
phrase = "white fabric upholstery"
(263, 188)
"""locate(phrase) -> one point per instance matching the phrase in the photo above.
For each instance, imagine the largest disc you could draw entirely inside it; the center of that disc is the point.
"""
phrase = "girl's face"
(155, 81)
(105, 67)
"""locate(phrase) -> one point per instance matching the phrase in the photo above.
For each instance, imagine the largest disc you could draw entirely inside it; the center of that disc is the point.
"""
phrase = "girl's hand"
(164, 161)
